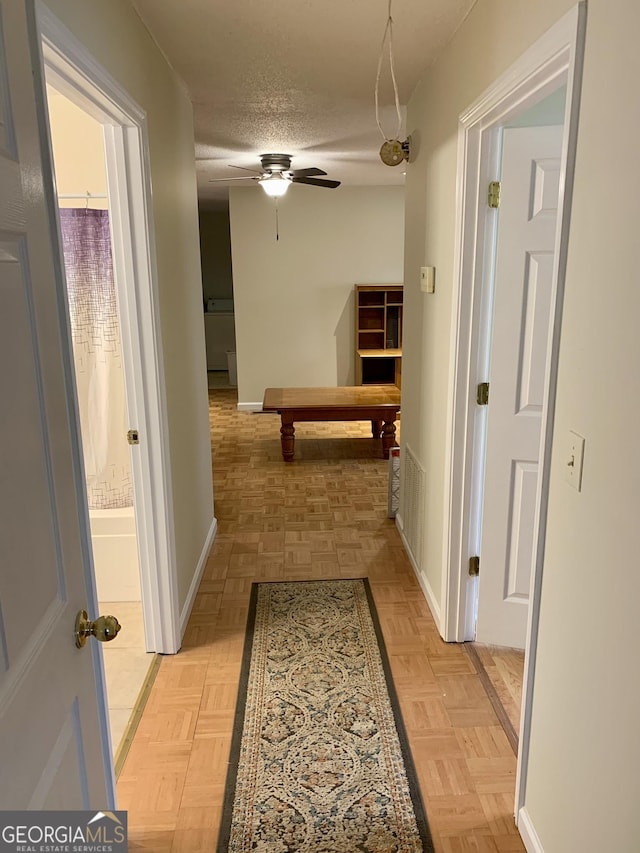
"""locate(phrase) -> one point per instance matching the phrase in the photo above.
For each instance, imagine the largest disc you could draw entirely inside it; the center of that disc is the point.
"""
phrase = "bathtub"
(115, 554)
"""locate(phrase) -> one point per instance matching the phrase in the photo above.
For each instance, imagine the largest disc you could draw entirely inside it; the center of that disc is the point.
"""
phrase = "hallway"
(322, 516)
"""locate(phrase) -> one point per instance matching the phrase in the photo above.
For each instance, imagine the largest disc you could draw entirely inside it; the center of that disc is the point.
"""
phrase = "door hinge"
(474, 566)
(494, 194)
(482, 394)
(133, 437)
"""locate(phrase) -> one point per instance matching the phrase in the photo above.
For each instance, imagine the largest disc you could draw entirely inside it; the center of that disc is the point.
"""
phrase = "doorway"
(83, 201)
(515, 321)
(527, 90)
(143, 598)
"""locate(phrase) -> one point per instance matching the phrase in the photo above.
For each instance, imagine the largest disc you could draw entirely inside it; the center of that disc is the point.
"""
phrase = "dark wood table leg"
(376, 428)
(388, 437)
(287, 437)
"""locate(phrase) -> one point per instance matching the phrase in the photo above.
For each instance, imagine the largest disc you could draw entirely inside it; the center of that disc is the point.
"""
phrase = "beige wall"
(582, 783)
(215, 251)
(587, 692)
(294, 296)
(78, 151)
(114, 34)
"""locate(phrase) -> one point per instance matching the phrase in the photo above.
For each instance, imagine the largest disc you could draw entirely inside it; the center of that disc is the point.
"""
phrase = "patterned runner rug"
(319, 759)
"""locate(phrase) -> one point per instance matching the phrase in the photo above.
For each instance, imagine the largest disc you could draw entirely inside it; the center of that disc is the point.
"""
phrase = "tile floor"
(126, 665)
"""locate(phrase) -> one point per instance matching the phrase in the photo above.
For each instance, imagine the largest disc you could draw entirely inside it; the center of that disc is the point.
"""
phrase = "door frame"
(77, 75)
(554, 60)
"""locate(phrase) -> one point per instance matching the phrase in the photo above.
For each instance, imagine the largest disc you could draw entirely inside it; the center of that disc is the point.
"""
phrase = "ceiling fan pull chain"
(388, 29)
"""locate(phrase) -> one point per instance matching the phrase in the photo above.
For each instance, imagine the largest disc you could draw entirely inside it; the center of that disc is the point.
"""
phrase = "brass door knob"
(104, 628)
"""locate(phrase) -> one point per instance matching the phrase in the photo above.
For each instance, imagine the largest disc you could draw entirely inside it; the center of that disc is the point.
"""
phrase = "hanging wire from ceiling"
(393, 152)
(388, 31)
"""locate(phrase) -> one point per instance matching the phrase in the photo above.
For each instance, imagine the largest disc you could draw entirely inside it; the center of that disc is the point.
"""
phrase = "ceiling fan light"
(275, 185)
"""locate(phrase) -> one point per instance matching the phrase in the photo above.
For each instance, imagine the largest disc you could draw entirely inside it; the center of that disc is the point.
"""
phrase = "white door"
(53, 730)
(531, 160)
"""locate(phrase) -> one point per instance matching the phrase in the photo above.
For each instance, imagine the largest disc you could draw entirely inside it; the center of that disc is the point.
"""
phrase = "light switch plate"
(428, 279)
(574, 460)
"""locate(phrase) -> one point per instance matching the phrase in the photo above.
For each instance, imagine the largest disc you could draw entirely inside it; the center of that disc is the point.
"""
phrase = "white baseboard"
(249, 407)
(425, 586)
(197, 577)
(528, 833)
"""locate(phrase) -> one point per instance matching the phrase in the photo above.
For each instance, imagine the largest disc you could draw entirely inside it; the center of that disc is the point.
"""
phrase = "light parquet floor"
(322, 516)
(504, 668)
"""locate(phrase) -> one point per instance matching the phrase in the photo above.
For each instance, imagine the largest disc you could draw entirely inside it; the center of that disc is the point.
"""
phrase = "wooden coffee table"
(379, 404)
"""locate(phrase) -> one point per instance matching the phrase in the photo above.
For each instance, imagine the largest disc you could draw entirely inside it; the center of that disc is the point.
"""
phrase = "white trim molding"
(528, 833)
(249, 407)
(197, 577)
(425, 586)
(75, 73)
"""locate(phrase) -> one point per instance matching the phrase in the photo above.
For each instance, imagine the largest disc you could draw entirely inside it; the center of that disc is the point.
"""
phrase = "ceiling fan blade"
(245, 169)
(306, 173)
(316, 182)
(223, 180)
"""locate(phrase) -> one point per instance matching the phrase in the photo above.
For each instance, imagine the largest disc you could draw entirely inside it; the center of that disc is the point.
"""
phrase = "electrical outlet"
(428, 279)
(574, 460)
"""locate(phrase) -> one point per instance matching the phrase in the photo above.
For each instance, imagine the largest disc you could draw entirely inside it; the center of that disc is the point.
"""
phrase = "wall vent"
(413, 503)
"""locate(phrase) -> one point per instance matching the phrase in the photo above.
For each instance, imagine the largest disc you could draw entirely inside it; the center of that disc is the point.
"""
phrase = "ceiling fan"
(277, 175)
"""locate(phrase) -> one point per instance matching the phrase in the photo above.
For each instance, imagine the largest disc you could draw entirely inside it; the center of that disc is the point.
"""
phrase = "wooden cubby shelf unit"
(378, 334)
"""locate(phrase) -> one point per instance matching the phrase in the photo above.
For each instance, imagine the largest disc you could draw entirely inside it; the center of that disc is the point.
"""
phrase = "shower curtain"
(98, 362)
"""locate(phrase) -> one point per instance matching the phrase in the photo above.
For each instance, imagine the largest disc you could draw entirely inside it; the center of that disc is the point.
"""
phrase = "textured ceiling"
(296, 77)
